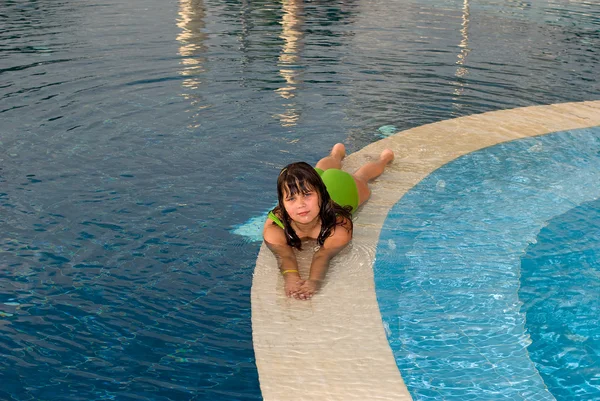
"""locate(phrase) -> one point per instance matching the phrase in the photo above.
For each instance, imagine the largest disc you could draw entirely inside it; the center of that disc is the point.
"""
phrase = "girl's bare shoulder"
(273, 234)
(341, 235)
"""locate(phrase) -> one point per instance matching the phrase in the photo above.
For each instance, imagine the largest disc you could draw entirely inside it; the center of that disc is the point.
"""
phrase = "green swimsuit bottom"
(340, 186)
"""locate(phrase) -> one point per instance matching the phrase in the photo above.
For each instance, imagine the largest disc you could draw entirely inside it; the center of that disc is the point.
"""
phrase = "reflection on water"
(191, 39)
(292, 36)
(289, 59)
(462, 70)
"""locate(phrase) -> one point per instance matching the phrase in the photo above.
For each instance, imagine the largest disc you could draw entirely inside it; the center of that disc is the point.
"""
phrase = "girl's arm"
(321, 259)
(286, 259)
(274, 237)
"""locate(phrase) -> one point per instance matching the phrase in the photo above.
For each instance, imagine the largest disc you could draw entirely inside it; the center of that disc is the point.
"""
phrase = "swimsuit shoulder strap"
(272, 216)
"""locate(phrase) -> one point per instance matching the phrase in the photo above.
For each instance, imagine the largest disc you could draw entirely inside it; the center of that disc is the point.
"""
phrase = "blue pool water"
(487, 274)
(135, 136)
(560, 291)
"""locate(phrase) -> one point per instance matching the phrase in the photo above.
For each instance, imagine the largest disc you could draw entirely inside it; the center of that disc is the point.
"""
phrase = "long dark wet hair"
(301, 177)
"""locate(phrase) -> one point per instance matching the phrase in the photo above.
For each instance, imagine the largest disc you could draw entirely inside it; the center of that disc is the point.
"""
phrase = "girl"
(316, 203)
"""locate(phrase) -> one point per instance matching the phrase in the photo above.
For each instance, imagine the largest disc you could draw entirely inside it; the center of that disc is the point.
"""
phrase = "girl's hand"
(293, 282)
(308, 289)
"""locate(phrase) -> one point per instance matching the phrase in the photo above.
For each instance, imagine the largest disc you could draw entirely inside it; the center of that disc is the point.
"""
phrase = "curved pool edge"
(334, 347)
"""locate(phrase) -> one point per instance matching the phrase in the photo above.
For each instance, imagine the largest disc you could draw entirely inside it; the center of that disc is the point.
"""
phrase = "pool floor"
(349, 341)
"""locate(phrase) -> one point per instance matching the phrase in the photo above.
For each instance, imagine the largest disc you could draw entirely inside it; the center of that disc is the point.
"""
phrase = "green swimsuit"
(340, 186)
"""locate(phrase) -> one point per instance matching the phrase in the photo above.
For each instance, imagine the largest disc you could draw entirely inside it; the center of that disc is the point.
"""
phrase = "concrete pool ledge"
(334, 347)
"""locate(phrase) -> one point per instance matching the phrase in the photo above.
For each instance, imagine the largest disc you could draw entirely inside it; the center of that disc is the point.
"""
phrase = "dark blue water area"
(468, 296)
(560, 291)
(134, 136)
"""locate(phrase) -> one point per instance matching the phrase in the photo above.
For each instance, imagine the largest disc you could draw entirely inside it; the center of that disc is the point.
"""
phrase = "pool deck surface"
(334, 346)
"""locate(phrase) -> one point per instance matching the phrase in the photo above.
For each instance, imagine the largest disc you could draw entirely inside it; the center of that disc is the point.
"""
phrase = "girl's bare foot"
(338, 151)
(387, 156)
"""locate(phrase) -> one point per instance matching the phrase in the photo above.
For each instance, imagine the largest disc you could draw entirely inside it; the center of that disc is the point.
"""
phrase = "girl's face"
(302, 207)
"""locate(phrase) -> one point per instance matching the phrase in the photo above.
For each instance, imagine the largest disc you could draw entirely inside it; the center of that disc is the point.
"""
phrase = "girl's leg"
(370, 171)
(334, 160)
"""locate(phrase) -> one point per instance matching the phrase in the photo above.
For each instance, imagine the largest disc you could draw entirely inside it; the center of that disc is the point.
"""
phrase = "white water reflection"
(191, 39)
(289, 58)
(461, 70)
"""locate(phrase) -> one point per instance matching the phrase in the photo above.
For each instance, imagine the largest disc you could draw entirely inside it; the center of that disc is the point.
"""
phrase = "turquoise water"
(135, 136)
(487, 274)
(560, 291)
